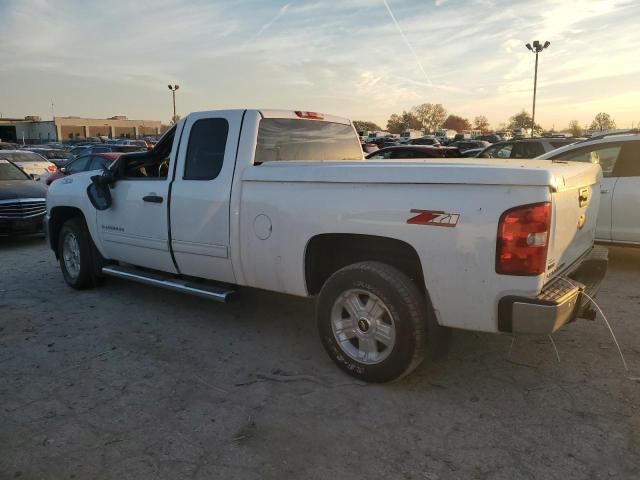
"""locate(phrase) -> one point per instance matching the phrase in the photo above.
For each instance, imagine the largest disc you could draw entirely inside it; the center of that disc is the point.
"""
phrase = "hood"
(10, 189)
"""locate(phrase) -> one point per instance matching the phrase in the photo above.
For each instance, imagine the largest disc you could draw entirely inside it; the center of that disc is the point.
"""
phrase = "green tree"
(574, 128)
(431, 116)
(603, 121)
(405, 121)
(365, 125)
(395, 124)
(481, 123)
(455, 122)
(521, 120)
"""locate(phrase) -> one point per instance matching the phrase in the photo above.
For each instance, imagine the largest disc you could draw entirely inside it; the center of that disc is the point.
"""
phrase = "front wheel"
(371, 319)
(74, 247)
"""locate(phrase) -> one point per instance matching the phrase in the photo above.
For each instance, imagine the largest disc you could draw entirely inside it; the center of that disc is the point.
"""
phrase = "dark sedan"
(22, 201)
(414, 151)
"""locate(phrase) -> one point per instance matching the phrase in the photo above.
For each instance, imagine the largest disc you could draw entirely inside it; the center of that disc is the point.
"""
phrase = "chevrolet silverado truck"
(397, 253)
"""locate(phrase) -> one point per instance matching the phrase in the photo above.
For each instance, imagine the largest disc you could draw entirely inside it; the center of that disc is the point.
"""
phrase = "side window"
(96, 163)
(499, 151)
(205, 153)
(628, 164)
(79, 165)
(605, 155)
(403, 154)
(527, 150)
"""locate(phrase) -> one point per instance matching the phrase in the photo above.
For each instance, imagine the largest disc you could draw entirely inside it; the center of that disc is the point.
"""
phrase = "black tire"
(86, 276)
(404, 303)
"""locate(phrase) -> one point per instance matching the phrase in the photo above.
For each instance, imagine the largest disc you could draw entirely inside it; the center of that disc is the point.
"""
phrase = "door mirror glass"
(63, 170)
(99, 193)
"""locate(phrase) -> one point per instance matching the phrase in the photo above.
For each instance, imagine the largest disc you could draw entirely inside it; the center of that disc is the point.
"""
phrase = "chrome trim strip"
(22, 200)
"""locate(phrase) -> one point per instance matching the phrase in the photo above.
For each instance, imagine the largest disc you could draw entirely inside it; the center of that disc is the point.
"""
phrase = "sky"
(363, 59)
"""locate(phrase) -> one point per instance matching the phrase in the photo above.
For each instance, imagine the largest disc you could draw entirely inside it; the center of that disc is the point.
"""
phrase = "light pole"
(173, 89)
(537, 48)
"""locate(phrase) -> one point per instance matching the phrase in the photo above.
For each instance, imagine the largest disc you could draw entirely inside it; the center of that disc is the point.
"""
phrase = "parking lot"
(128, 381)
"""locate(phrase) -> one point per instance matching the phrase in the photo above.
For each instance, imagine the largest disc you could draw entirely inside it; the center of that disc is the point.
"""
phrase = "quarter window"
(205, 153)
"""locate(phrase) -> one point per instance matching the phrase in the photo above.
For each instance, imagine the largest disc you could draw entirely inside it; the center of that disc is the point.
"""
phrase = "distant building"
(33, 129)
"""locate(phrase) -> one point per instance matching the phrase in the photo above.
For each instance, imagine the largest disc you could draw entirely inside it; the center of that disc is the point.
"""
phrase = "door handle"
(604, 191)
(152, 198)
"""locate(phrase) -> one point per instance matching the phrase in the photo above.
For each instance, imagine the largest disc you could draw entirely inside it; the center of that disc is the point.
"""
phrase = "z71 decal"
(435, 218)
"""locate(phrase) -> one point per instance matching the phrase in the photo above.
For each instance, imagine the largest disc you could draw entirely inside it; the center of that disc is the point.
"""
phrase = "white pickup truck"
(397, 253)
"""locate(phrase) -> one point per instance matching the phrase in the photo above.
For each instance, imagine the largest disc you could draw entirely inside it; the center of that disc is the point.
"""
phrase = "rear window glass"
(282, 139)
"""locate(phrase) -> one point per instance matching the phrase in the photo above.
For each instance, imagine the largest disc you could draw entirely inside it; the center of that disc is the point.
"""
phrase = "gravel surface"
(131, 382)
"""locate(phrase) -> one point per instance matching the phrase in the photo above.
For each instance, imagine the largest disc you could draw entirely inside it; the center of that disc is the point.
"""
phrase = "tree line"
(431, 117)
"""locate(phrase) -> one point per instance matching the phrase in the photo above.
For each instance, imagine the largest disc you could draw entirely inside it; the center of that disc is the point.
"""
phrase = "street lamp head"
(528, 45)
(176, 87)
(536, 45)
(546, 44)
(169, 87)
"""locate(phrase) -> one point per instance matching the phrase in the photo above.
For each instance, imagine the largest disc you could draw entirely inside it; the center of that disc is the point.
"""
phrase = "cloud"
(370, 58)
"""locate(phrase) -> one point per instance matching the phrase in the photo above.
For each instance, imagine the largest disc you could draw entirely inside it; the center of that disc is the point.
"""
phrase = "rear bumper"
(561, 301)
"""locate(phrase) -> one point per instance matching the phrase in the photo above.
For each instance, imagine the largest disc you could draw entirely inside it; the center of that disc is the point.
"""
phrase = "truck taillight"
(523, 237)
(52, 168)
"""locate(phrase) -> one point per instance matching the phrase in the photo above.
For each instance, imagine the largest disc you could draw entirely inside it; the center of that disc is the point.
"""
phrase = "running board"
(156, 279)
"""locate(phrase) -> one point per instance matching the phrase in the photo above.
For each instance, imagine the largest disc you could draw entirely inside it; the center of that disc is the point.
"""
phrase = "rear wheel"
(371, 319)
(75, 252)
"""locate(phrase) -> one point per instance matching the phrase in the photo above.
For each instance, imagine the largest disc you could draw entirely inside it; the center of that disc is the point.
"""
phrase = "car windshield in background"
(53, 154)
(282, 139)
(21, 156)
(8, 171)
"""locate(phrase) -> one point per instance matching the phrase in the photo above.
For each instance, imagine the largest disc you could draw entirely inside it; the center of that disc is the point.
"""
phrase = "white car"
(619, 156)
(31, 163)
(395, 251)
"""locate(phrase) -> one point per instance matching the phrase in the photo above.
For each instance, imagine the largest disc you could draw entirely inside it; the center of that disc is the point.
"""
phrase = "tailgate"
(575, 204)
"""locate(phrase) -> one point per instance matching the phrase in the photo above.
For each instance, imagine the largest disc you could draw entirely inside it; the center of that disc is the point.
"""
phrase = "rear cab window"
(285, 139)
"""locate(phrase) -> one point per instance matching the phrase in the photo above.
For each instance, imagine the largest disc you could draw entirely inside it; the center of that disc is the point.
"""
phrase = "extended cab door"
(200, 194)
(625, 212)
(134, 229)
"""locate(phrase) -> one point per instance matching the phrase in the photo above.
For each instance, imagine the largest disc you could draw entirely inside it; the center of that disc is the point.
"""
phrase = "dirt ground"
(131, 382)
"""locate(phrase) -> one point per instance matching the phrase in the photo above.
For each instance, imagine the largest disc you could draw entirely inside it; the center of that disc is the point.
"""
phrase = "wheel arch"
(329, 252)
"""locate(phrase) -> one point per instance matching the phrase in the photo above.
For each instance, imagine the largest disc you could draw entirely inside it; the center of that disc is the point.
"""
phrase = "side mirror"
(99, 193)
(63, 170)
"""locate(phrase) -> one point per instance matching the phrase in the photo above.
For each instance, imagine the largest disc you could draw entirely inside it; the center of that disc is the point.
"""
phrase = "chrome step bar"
(209, 291)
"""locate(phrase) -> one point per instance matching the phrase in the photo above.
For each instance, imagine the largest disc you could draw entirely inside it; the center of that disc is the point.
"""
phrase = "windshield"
(8, 171)
(21, 156)
(53, 154)
(281, 139)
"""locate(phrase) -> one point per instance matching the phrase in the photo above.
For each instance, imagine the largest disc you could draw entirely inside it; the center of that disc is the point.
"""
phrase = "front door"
(135, 228)
(199, 211)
